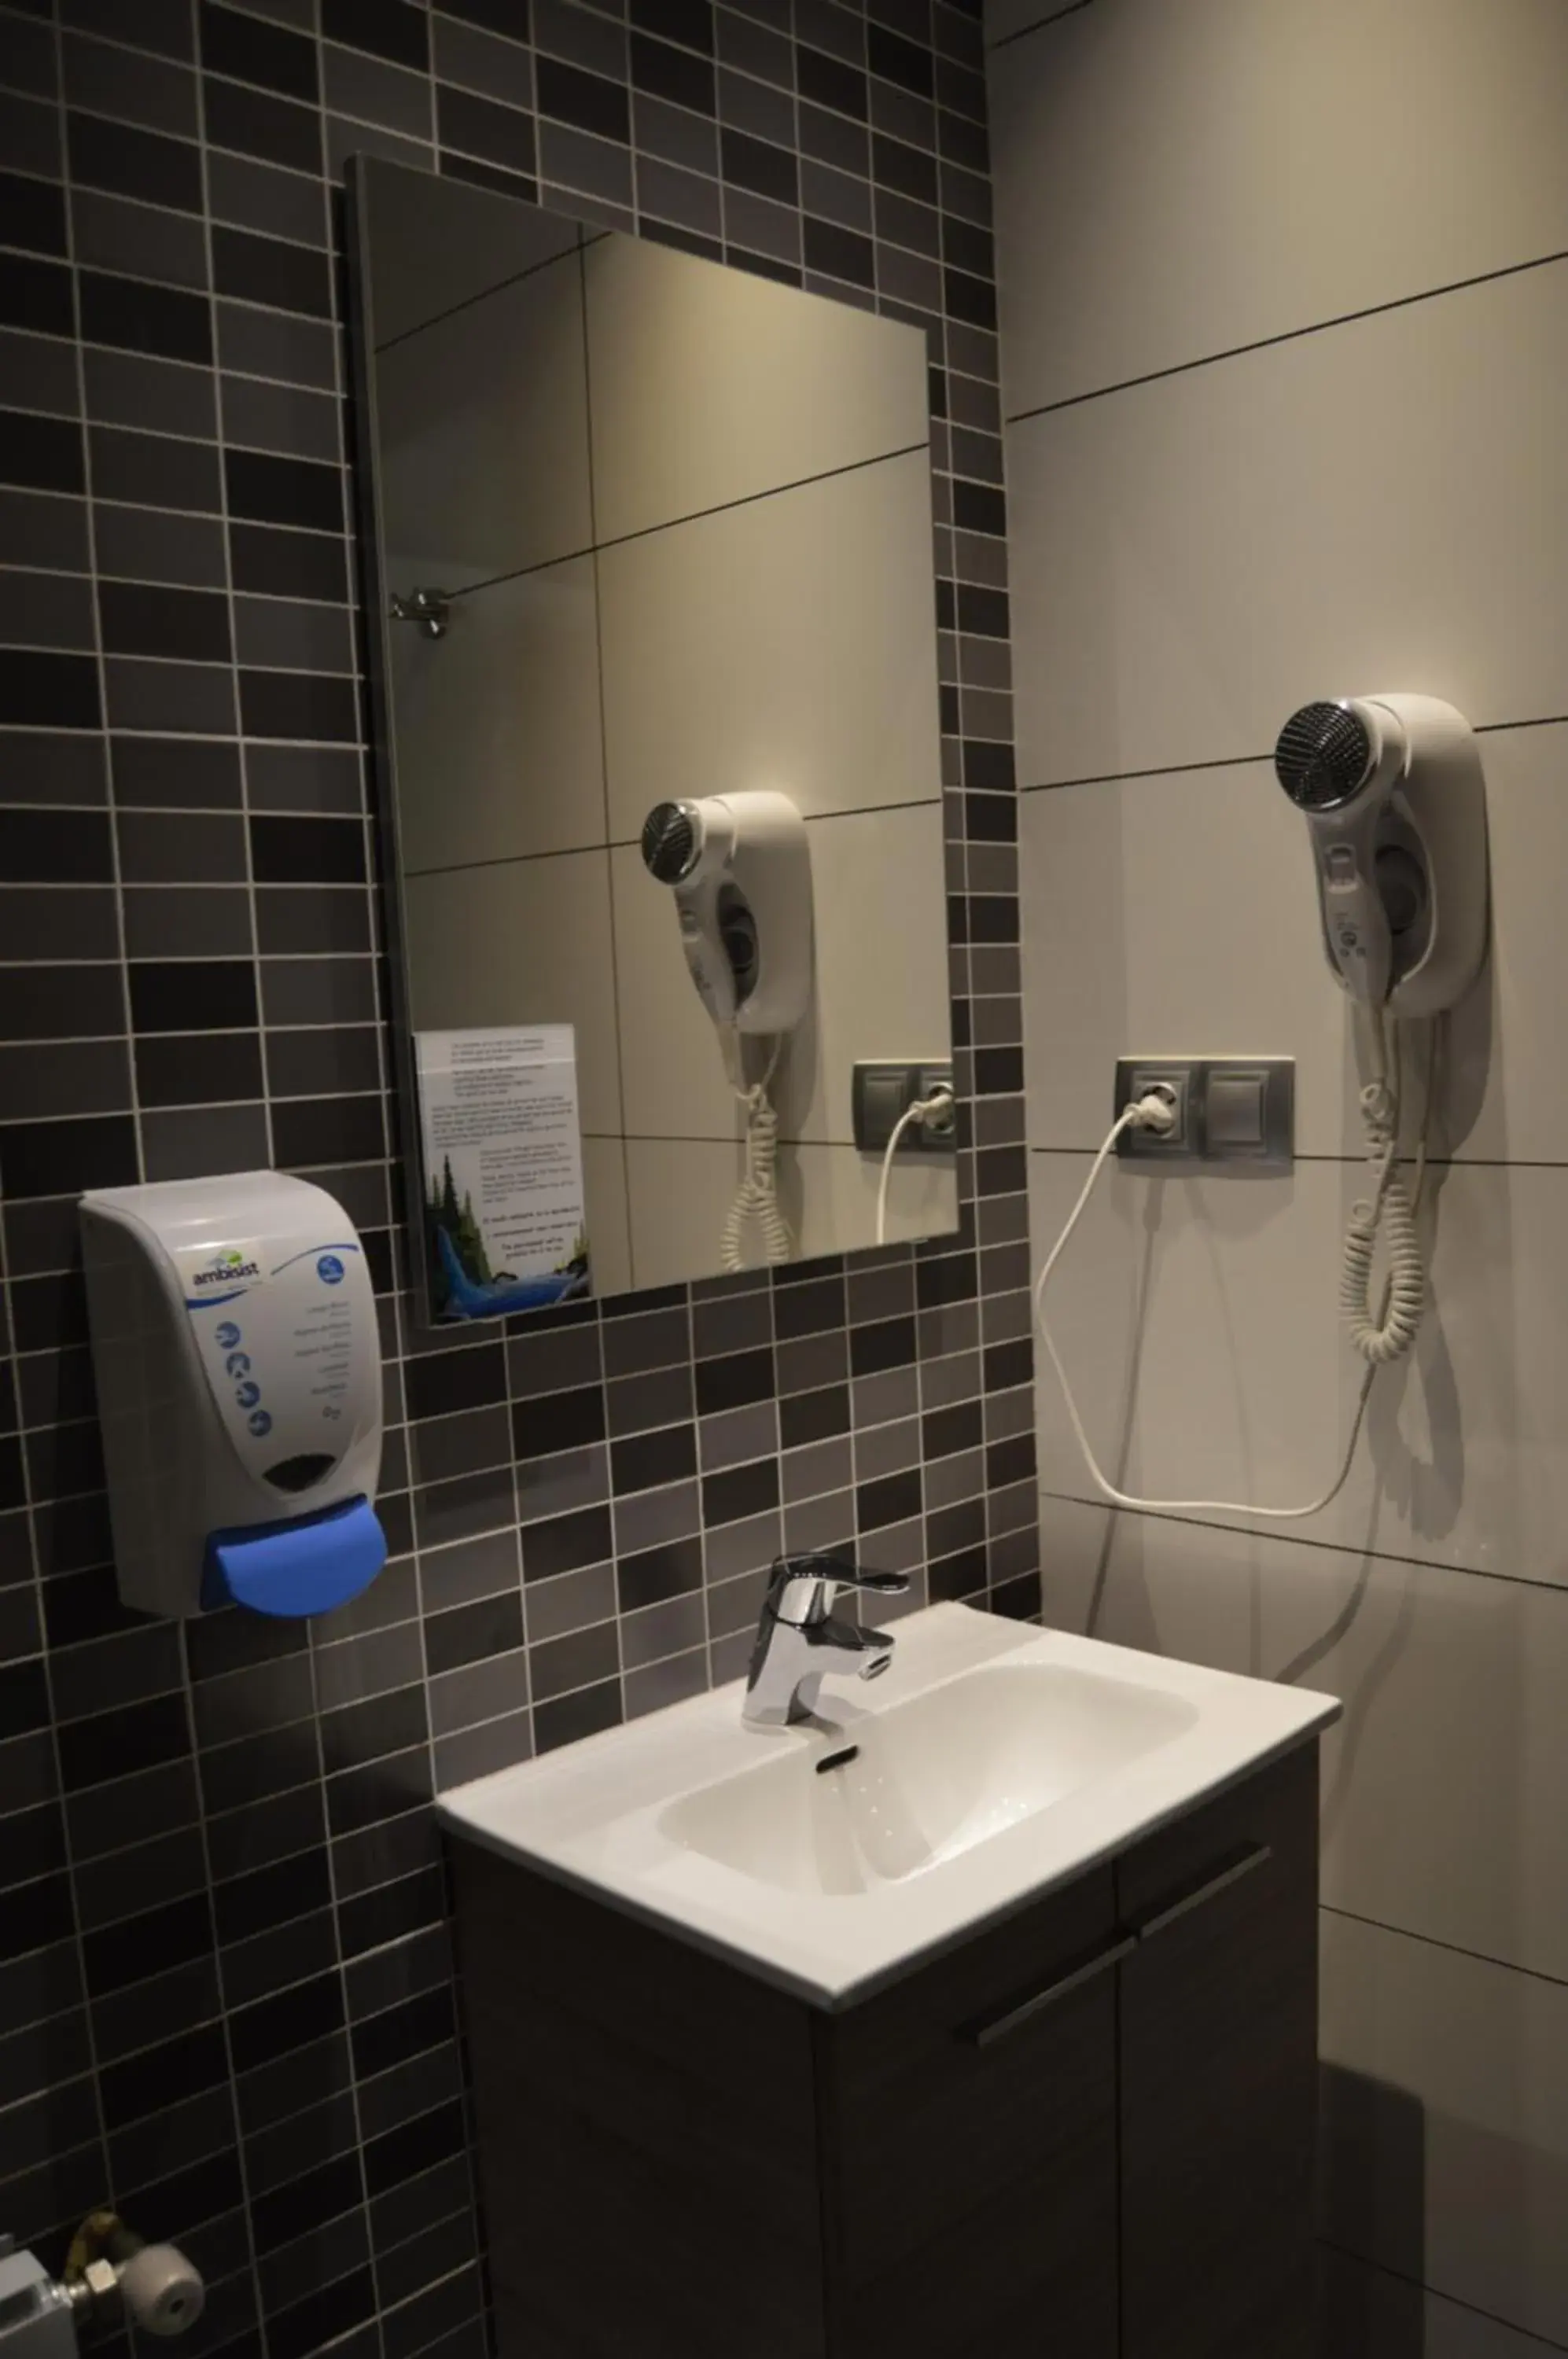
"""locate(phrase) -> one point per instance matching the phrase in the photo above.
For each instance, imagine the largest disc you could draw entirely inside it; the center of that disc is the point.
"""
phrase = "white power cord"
(1390, 1335)
(921, 1111)
(756, 1196)
(1377, 1342)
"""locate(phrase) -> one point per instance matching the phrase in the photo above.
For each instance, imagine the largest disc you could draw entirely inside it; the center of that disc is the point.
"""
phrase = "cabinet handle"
(992, 2028)
(1210, 1889)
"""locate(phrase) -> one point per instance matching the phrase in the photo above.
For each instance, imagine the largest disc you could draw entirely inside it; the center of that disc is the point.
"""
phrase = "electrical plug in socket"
(938, 1127)
(1157, 1109)
(1229, 1110)
(883, 1090)
(1171, 1081)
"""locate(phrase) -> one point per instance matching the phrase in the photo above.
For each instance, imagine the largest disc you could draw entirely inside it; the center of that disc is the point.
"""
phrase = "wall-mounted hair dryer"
(741, 871)
(1396, 806)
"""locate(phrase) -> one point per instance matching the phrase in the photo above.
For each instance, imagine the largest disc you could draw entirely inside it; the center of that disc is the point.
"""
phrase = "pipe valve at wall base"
(111, 2278)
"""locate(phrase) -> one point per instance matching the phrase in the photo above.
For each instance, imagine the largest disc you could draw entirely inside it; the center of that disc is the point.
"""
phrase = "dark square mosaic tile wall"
(226, 1994)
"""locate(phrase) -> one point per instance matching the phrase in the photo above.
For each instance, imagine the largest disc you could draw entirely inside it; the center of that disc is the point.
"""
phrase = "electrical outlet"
(941, 1129)
(882, 1089)
(1135, 1080)
(1235, 1110)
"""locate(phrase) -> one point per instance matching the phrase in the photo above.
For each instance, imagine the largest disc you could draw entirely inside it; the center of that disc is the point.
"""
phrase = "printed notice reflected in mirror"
(503, 1210)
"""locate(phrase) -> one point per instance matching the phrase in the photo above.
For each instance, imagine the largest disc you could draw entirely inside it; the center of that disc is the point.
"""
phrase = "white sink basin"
(991, 1762)
(927, 1780)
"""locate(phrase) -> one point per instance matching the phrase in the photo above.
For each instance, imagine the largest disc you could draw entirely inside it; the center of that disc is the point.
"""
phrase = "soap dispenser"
(238, 1366)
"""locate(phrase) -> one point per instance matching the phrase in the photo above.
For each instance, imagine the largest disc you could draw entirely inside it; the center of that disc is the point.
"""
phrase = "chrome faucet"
(800, 1642)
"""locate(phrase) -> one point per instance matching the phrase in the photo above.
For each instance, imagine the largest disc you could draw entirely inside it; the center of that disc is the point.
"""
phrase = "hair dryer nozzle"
(1324, 754)
(671, 842)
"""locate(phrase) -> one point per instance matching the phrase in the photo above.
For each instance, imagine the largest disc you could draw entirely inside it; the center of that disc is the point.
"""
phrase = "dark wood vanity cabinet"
(1217, 2049)
(1085, 2133)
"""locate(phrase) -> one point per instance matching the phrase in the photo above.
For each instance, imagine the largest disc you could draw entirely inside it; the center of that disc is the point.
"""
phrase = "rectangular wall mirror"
(656, 676)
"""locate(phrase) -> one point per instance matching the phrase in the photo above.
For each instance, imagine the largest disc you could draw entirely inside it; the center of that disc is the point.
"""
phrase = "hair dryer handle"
(1359, 940)
(704, 944)
(1355, 921)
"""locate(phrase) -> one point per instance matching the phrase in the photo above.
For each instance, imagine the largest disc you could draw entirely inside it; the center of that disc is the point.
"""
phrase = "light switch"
(1236, 1109)
(887, 1095)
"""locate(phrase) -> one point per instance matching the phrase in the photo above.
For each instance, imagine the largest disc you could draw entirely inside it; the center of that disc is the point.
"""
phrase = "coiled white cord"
(756, 1196)
(1391, 1205)
(1378, 1341)
(919, 1111)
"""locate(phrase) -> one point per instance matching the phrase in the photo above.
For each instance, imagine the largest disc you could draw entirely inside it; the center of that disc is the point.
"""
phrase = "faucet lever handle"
(801, 1589)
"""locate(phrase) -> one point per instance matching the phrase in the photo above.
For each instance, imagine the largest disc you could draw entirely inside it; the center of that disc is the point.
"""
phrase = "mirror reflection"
(658, 731)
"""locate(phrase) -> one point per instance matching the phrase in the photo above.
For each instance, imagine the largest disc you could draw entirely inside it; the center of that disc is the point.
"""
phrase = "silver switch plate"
(1229, 1110)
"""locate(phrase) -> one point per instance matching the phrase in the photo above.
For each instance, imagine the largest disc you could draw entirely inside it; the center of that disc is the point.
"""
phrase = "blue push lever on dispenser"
(307, 1565)
(238, 1364)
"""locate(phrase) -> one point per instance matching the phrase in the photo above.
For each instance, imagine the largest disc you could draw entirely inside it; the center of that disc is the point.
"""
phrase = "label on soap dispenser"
(282, 1330)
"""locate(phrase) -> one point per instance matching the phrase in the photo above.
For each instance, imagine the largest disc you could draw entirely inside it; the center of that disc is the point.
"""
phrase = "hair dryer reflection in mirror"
(740, 868)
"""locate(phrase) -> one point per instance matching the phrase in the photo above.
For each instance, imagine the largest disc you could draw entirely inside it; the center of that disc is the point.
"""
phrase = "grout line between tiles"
(1289, 335)
(1358, 1552)
(1356, 1162)
(1420, 2285)
(1247, 761)
(1452, 1949)
(1022, 32)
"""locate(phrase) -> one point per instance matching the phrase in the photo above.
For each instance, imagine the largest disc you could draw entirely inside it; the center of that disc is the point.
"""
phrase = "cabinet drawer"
(994, 2064)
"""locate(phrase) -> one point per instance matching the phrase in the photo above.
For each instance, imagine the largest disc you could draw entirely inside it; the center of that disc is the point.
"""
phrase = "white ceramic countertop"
(612, 1815)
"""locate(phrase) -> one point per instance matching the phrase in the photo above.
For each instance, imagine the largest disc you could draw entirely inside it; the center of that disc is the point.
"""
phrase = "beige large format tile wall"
(686, 516)
(1284, 329)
